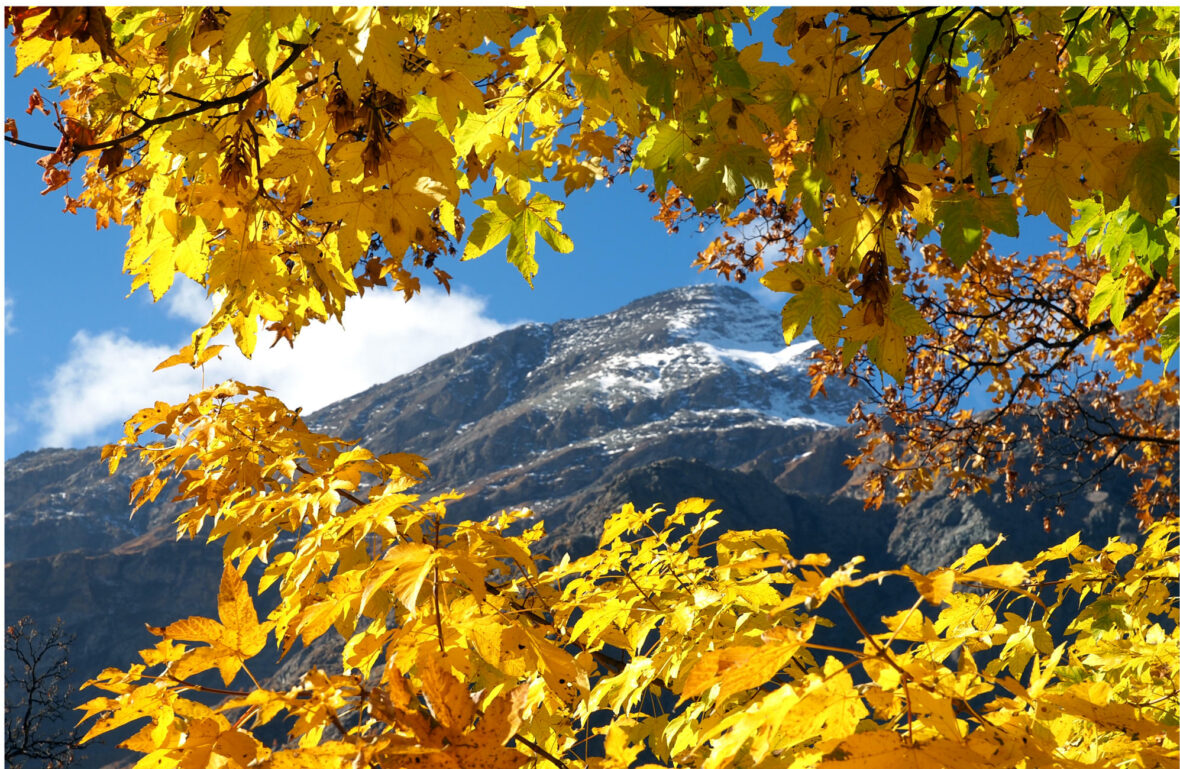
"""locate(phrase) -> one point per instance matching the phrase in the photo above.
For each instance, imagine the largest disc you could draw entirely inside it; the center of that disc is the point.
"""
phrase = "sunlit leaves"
(230, 642)
(521, 221)
(964, 217)
(461, 647)
(356, 134)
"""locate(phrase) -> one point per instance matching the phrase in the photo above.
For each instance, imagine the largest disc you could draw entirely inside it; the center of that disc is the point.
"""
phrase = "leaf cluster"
(287, 160)
(666, 646)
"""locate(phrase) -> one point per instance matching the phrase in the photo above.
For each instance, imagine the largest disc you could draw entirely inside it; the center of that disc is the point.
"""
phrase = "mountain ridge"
(689, 392)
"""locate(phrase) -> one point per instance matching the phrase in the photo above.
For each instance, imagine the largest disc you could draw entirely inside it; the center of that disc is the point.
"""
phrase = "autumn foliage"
(465, 649)
(288, 160)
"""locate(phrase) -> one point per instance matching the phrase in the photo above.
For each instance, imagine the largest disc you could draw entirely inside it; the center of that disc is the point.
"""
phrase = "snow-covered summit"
(697, 372)
(699, 348)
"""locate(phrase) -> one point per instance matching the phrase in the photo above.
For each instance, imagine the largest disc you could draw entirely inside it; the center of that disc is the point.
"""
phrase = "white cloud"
(106, 379)
(108, 376)
(187, 301)
(9, 315)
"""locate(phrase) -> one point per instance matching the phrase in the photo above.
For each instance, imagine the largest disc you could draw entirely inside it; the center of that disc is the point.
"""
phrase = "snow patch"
(793, 355)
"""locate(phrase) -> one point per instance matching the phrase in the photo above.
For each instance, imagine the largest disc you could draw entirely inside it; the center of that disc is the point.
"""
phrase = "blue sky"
(79, 353)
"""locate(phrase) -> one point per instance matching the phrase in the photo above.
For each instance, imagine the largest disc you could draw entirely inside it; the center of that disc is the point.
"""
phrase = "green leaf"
(1149, 171)
(820, 306)
(720, 178)
(544, 222)
(808, 183)
(980, 174)
(964, 217)
(1090, 213)
(520, 222)
(730, 73)
(888, 352)
(489, 229)
(664, 149)
(1169, 335)
(906, 316)
(1110, 293)
(583, 29)
(657, 79)
(1149, 243)
(817, 300)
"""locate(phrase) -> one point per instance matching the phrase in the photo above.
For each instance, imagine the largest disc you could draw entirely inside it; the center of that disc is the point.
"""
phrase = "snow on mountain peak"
(699, 347)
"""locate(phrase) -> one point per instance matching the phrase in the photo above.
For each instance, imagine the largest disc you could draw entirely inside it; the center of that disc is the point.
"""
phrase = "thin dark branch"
(918, 84)
(684, 12)
(541, 751)
(903, 20)
(226, 101)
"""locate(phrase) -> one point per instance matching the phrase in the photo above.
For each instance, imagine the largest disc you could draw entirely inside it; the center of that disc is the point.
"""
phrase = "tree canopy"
(289, 159)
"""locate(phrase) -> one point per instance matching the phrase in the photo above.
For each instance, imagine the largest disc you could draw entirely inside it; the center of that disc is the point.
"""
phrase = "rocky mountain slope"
(690, 392)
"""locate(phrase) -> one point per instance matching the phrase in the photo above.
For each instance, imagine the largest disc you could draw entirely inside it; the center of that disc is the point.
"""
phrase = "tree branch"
(148, 123)
(541, 751)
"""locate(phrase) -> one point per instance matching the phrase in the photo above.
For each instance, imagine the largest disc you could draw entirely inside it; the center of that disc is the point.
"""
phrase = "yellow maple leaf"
(935, 586)
(233, 640)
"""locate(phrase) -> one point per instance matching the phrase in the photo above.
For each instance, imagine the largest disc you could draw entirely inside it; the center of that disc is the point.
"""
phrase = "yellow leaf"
(235, 639)
(185, 357)
(449, 699)
(408, 565)
(935, 586)
(1001, 576)
(238, 747)
(738, 668)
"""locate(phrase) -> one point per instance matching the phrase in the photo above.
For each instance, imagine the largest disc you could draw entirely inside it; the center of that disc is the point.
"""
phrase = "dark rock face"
(686, 393)
(537, 413)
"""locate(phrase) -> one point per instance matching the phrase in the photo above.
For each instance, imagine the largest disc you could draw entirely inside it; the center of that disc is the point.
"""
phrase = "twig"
(226, 101)
(541, 751)
(918, 84)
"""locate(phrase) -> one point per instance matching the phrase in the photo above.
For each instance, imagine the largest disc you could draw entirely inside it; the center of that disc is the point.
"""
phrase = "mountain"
(538, 413)
(689, 392)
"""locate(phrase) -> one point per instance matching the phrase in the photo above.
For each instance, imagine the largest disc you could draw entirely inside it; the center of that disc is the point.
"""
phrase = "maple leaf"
(520, 222)
(665, 150)
(1109, 294)
(886, 342)
(964, 217)
(233, 640)
(817, 300)
(1049, 187)
(1153, 176)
